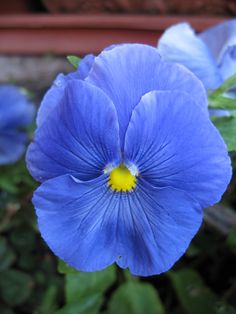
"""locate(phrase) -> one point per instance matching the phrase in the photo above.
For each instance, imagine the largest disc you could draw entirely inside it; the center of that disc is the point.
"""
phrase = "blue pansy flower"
(16, 112)
(210, 55)
(55, 93)
(127, 158)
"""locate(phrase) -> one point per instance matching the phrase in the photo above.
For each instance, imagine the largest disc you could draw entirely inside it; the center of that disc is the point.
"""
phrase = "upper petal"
(218, 38)
(173, 144)
(89, 226)
(81, 136)
(54, 95)
(15, 109)
(179, 43)
(126, 72)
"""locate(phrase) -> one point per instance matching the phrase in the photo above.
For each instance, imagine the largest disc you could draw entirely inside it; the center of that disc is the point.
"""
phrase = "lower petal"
(89, 226)
(78, 221)
(156, 227)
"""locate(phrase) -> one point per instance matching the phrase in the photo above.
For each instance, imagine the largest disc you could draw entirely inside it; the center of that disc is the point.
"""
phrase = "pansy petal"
(78, 220)
(52, 98)
(15, 109)
(89, 226)
(54, 95)
(84, 67)
(12, 146)
(219, 113)
(180, 44)
(228, 63)
(173, 144)
(218, 38)
(126, 72)
(155, 228)
(80, 137)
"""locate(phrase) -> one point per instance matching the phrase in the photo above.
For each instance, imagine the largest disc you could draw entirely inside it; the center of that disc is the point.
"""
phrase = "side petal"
(78, 220)
(90, 227)
(218, 38)
(12, 146)
(15, 109)
(126, 72)
(52, 98)
(180, 44)
(155, 228)
(80, 137)
(54, 95)
(173, 144)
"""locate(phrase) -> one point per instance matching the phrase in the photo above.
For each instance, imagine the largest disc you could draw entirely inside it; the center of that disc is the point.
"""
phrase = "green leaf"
(23, 238)
(135, 298)
(193, 251)
(221, 308)
(88, 305)
(64, 268)
(74, 61)
(227, 128)
(80, 285)
(231, 239)
(230, 82)
(15, 178)
(194, 296)
(15, 287)
(7, 255)
(221, 102)
(49, 302)
(218, 98)
(6, 310)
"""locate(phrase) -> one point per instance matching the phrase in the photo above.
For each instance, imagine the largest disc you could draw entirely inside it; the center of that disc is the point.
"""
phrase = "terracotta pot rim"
(82, 34)
(121, 21)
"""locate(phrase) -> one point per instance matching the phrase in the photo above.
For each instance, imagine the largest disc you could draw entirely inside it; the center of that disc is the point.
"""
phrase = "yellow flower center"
(121, 179)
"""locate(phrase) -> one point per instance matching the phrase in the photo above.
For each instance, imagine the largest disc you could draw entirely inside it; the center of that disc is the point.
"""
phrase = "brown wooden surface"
(81, 34)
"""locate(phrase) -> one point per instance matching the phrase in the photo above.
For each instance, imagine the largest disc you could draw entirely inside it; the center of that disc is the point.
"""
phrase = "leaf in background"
(227, 128)
(64, 268)
(15, 287)
(15, 178)
(74, 61)
(224, 309)
(222, 102)
(193, 250)
(226, 86)
(7, 255)
(81, 285)
(231, 238)
(49, 302)
(194, 296)
(88, 305)
(6, 310)
(23, 238)
(135, 298)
